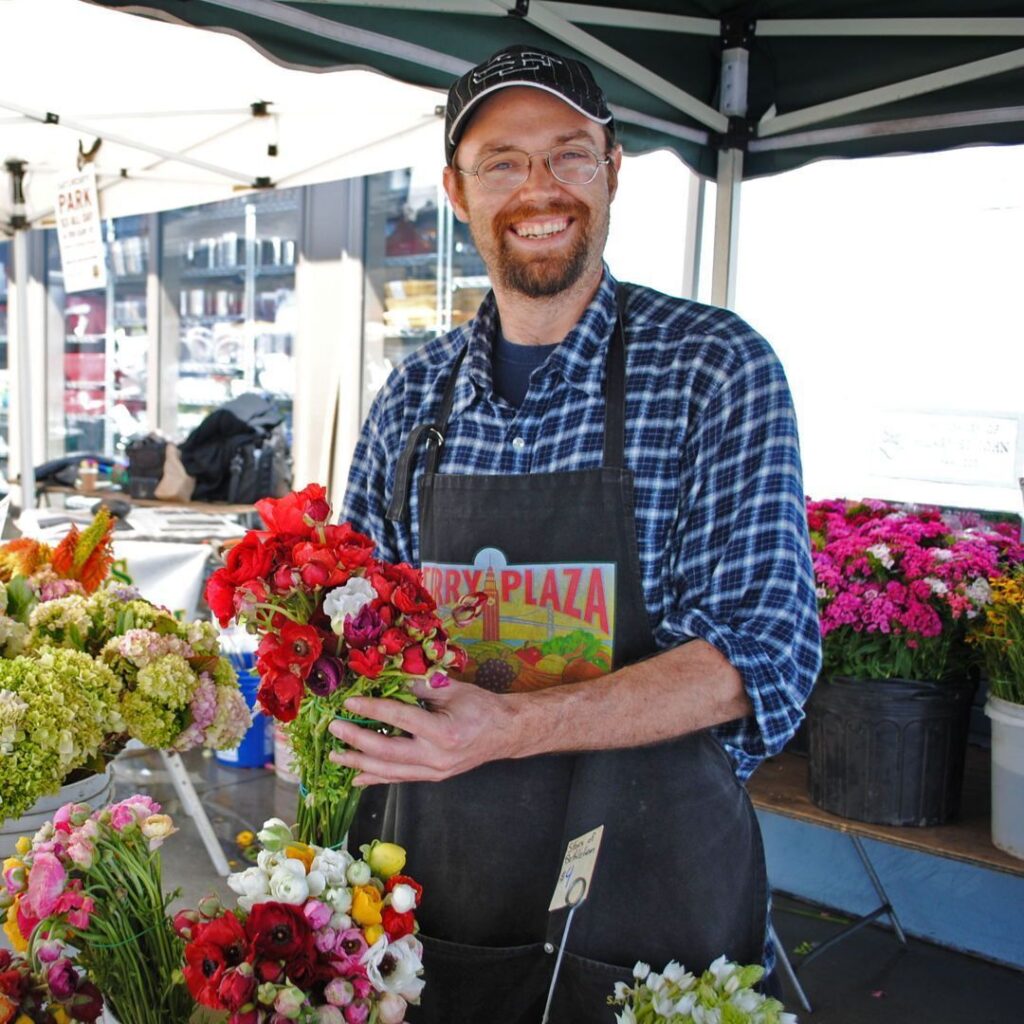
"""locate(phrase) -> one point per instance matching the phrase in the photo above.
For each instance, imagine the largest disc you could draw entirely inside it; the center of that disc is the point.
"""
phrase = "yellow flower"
(372, 933)
(60, 1015)
(386, 859)
(18, 941)
(11, 863)
(300, 851)
(366, 905)
(23, 845)
(245, 838)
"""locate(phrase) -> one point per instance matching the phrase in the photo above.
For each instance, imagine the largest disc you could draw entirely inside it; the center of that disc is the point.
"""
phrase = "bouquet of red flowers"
(335, 622)
(319, 937)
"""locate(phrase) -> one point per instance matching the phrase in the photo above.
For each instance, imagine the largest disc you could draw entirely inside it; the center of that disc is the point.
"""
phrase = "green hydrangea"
(64, 622)
(156, 709)
(57, 708)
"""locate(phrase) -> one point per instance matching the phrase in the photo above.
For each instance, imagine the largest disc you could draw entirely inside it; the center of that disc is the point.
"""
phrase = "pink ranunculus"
(62, 979)
(339, 992)
(46, 881)
(70, 816)
(357, 1012)
(350, 947)
(317, 914)
(82, 851)
(132, 811)
(391, 1008)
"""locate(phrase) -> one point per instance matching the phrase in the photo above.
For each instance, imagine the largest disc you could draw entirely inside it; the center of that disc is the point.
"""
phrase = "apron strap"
(614, 418)
(615, 389)
(435, 439)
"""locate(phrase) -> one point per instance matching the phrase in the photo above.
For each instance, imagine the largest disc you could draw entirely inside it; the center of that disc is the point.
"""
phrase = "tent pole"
(737, 35)
(23, 394)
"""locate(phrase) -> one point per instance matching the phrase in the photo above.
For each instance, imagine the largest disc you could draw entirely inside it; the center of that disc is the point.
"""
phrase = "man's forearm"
(678, 691)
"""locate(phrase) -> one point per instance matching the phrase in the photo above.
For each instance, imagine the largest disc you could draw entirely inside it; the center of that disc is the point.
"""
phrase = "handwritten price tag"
(577, 870)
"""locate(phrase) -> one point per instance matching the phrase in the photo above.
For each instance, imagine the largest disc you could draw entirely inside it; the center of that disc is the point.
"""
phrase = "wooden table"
(780, 787)
(105, 490)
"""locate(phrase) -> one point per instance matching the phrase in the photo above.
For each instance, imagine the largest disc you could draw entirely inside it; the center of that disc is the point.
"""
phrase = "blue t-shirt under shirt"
(511, 366)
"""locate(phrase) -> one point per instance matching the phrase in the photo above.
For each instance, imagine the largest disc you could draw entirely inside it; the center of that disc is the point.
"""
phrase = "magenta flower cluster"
(897, 585)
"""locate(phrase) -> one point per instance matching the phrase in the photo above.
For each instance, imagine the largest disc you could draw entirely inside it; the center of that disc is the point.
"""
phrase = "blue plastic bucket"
(257, 746)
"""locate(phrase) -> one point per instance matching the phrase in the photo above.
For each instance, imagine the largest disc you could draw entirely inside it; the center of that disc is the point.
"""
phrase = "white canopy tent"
(169, 117)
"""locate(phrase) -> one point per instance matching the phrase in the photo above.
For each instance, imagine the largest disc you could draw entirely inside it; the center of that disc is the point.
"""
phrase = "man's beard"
(539, 276)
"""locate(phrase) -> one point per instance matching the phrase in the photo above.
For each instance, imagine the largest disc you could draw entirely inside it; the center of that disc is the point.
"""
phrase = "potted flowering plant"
(334, 622)
(85, 666)
(724, 992)
(999, 635)
(897, 590)
(319, 937)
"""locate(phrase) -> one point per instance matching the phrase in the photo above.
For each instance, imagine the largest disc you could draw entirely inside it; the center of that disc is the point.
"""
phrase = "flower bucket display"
(901, 590)
(888, 751)
(1007, 774)
(94, 789)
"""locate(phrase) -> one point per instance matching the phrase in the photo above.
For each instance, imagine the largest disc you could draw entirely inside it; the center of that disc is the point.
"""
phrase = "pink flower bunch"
(897, 585)
(84, 878)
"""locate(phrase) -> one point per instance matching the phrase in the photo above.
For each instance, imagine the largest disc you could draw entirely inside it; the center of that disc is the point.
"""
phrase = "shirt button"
(518, 443)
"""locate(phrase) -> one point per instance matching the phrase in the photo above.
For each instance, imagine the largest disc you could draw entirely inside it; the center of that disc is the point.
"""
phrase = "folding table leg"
(879, 888)
(787, 967)
(195, 810)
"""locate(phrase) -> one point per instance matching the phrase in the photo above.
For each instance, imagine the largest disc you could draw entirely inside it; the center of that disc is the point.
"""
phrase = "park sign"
(80, 232)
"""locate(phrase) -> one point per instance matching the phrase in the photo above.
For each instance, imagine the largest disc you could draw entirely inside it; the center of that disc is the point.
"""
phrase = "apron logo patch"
(545, 623)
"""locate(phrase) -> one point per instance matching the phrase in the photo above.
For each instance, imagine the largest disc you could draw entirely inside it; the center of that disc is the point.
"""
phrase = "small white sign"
(577, 870)
(80, 233)
(952, 448)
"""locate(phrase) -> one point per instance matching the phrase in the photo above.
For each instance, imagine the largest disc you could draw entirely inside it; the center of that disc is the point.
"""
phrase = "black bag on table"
(239, 453)
(145, 464)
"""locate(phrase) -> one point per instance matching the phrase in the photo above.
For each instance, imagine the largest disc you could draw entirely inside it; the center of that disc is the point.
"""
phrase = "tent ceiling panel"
(803, 53)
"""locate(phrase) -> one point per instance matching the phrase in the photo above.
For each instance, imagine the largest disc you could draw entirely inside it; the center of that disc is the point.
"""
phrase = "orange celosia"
(86, 556)
(22, 557)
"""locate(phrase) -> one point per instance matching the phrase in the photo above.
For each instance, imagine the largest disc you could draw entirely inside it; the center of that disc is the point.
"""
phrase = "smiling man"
(619, 472)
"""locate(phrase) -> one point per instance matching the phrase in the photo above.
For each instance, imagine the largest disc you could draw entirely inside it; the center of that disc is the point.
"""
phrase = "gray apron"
(680, 874)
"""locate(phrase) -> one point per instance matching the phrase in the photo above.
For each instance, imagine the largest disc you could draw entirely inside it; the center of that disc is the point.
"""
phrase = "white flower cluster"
(350, 599)
(723, 994)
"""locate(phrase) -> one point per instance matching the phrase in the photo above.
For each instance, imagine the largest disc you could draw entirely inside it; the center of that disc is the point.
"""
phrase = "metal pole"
(23, 392)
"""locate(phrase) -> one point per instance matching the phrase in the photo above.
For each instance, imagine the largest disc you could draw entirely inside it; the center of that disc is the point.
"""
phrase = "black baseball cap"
(570, 80)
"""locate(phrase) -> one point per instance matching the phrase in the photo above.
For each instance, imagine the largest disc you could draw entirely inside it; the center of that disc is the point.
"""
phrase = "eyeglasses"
(571, 165)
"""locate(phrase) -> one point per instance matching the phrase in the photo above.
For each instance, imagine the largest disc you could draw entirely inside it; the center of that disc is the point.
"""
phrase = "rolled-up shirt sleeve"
(741, 576)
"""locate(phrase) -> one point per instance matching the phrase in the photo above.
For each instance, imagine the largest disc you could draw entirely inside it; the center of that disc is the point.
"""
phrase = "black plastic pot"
(888, 751)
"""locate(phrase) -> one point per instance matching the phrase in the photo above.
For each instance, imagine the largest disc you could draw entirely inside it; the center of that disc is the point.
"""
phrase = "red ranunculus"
(269, 970)
(285, 579)
(248, 594)
(251, 558)
(369, 663)
(295, 647)
(397, 925)
(421, 625)
(237, 987)
(280, 695)
(456, 657)
(87, 1003)
(353, 549)
(220, 594)
(204, 967)
(248, 1017)
(289, 514)
(395, 640)
(302, 972)
(279, 931)
(410, 597)
(414, 661)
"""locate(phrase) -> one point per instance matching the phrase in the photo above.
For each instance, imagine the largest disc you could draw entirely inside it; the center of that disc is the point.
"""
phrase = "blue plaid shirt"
(712, 441)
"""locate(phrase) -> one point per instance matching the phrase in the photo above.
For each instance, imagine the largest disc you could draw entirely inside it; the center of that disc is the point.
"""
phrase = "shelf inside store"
(130, 279)
(194, 369)
(236, 271)
(194, 320)
(419, 259)
(475, 281)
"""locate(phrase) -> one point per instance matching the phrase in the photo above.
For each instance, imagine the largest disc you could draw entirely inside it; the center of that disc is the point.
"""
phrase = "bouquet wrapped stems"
(129, 948)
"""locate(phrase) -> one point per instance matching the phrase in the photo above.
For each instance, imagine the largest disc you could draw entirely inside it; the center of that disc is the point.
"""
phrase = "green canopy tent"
(736, 89)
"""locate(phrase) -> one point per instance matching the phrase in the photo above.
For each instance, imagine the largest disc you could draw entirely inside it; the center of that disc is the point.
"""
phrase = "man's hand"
(464, 727)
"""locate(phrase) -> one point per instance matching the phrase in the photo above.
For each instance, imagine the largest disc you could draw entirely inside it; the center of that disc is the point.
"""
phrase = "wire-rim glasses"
(571, 165)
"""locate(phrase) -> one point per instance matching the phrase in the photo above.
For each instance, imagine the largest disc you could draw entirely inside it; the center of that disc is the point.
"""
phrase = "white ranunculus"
(358, 873)
(338, 898)
(251, 886)
(288, 883)
(395, 967)
(403, 898)
(274, 835)
(316, 882)
(268, 862)
(332, 864)
(348, 600)
(340, 922)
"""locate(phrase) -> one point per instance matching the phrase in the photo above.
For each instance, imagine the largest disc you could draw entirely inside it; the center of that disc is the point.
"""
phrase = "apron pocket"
(584, 986)
(482, 984)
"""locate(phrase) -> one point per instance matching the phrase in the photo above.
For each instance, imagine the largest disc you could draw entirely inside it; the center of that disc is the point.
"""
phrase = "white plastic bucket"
(283, 756)
(1007, 774)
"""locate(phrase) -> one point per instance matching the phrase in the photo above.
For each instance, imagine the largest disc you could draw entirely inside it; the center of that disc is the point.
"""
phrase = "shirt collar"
(580, 358)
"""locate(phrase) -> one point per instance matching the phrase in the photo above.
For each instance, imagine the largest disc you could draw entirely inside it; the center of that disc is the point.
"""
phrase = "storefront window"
(228, 274)
(423, 273)
(106, 344)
